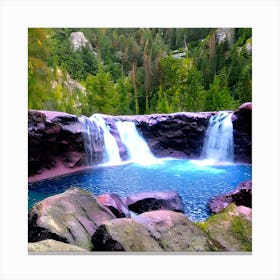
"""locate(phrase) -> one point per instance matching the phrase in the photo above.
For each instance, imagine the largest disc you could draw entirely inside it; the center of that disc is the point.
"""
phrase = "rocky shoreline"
(79, 221)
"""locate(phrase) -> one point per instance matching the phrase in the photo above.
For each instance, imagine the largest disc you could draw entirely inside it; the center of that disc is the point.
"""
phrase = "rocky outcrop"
(155, 231)
(50, 245)
(231, 228)
(242, 133)
(78, 41)
(55, 138)
(241, 195)
(52, 137)
(150, 201)
(178, 135)
(71, 217)
(115, 204)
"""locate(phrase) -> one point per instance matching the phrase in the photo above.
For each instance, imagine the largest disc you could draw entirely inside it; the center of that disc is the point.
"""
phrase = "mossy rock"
(124, 235)
(231, 228)
(154, 231)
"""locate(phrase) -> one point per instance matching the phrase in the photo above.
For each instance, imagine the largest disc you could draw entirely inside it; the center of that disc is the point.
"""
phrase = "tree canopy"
(139, 70)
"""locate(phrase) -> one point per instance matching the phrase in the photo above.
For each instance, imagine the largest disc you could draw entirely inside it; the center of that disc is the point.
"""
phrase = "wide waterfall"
(100, 144)
(218, 144)
(137, 148)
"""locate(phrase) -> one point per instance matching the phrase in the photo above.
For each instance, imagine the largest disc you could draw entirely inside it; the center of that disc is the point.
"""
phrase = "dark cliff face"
(242, 133)
(53, 135)
(178, 135)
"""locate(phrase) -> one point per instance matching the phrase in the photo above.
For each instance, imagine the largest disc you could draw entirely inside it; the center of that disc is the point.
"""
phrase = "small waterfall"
(93, 141)
(218, 144)
(137, 148)
(100, 144)
(112, 154)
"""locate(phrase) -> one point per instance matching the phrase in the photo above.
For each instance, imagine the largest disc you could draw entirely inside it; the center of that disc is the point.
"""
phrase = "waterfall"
(100, 144)
(112, 154)
(93, 141)
(137, 148)
(218, 143)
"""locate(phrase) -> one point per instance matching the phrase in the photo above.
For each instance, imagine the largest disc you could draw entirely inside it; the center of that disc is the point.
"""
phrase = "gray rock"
(154, 231)
(71, 217)
(78, 40)
(50, 245)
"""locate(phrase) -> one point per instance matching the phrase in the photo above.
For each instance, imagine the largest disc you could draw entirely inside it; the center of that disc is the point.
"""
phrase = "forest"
(125, 71)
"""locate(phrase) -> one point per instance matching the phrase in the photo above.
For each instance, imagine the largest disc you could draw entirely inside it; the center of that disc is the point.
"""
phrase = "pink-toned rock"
(115, 204)
(246, 106)
(72, 158)
(53, 136)
(149, 201)
(246, 211)
(241, 195)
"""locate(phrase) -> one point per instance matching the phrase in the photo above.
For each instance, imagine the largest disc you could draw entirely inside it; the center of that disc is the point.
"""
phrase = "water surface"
(195, 181)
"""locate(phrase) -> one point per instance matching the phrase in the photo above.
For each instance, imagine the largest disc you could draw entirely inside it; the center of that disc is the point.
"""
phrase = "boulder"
(149, 201)
(175, 232)
(71, 217)
(241, 195)
(155, 231)
(115, 204)
(242, 133)
(231, 228)
(53, 137)
(124, 234)
(50, 245)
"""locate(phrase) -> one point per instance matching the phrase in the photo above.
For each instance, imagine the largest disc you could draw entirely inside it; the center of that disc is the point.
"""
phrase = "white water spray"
(111, 151)
(100, 144)
(137, 148)
(218, 144)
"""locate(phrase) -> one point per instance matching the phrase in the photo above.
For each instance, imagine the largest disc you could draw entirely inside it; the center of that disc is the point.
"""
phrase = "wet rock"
(71, 217)
(50, 245)
(178, 134)
(242, 133)
(72, 159)
(149, 201)
(53, 136)
(231, 228)
(115, 204)
(241, 195)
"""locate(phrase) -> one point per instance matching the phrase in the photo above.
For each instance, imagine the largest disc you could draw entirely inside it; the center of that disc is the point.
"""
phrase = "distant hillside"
(139, 71)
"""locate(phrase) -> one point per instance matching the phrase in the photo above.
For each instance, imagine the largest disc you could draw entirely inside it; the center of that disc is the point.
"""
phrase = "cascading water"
(218, 144)
(100, 144)
(137, 148)
(112, 154)
(93, 141)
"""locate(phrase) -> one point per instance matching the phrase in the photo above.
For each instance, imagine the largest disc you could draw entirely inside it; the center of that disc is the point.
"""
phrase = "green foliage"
(133, 71)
